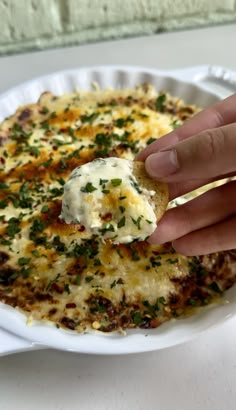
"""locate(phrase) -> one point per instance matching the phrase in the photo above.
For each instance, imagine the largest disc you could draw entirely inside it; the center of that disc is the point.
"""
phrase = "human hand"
(201, 151)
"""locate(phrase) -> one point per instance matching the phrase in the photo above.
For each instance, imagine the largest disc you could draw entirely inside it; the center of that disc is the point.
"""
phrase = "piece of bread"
(161, 197)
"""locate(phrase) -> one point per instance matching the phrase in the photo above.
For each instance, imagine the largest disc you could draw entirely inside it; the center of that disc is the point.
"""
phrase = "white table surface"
(197, 375)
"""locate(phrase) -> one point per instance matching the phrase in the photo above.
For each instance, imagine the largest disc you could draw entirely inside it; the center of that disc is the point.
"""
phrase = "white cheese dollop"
(105, 197)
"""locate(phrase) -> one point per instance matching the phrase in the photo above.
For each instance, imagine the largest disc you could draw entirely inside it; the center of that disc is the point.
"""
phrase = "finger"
(207, 209)
(222, 113)
(210, 154)
(215, 238)
(177, 189)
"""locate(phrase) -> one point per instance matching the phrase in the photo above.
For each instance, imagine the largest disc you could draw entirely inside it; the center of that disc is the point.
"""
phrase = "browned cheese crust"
(56, 272)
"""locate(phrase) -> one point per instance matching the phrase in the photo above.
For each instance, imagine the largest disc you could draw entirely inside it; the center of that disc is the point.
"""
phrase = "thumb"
(206, 155)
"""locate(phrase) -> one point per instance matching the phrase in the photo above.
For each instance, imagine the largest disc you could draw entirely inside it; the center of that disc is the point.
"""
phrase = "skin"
(201, 151)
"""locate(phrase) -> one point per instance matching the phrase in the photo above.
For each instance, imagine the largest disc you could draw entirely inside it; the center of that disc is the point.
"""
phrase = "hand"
(201, 151)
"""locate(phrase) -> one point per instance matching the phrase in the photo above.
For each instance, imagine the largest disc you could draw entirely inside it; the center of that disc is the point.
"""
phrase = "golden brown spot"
(62, 119)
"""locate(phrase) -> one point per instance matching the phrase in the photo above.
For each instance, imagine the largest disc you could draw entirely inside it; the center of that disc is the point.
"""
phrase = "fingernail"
(162, 164)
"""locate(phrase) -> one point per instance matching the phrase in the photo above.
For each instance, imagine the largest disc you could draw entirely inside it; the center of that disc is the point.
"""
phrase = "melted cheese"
(57, 272)
(105, 197)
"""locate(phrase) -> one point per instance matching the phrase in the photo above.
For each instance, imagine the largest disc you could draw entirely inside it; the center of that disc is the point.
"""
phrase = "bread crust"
(161, 197)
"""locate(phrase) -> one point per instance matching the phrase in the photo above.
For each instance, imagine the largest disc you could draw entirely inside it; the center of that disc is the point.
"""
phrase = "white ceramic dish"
(170, 334)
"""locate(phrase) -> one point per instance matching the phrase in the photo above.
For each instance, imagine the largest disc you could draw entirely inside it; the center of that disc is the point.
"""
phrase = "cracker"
(161, 197)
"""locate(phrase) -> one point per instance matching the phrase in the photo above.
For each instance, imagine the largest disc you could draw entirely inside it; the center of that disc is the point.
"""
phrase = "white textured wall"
(30, 24)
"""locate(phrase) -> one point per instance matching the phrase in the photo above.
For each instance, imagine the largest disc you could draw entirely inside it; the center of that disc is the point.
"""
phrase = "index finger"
(219, 114)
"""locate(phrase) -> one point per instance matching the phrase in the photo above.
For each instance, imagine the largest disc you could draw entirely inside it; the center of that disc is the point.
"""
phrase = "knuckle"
(216, 116)
(213, 143)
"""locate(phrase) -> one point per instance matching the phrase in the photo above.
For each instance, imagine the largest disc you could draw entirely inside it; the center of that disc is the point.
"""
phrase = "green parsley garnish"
(150, 140)
(67, 288)
(160, 102)
(214, 286)
(137, 222)
(121, 222)
(45, 209)
(106, 227)
(13, 227)
(116, 181)
(89, 118)
(3, 185)
(116, 282)
(50, 283)
(78, 279)
(23, 261)
(88, 188)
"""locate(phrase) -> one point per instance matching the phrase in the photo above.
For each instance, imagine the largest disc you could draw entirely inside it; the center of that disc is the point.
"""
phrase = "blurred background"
(39, 24)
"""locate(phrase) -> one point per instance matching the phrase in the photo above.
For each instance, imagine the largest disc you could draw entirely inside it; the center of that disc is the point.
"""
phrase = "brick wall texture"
(38, 24)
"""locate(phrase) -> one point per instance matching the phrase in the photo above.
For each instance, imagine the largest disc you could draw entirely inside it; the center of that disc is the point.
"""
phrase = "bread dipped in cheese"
(115, 199)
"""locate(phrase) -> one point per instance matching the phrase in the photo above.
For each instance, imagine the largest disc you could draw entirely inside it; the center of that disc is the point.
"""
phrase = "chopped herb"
(134, 255)
(61, 181)
(103, 181)
(44, 110)
(214, 286)
(67, 288)
(88, 249)
(52, 281)
(56, 192)
(149, 222)
(13, 227)
(45, 125)
(33, 150)
(88, 278)
(58, 142)
(192, 302)
(106, 227)
(137, 222)
(161, 300)
(104, 142)
(155, 262)
(116, 282)
(122, 209)
(160, 102)
(150, 140)
(97, 262)
(121, 222)
(122, 197)
(5, 242)
(45, 209)
(3, 185)
(23, 261)
(88, 188)
(59, 246)
(172, 261)
(121, 122)
(135, 185)
(35, 253)
(116, 181)
(71, 133)
(89, 118)
(62, 163)
(25, 271)
(175, 124)
(46, 164)
(136, 317)
(78, 279)
(37, 225)
(3, 203)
